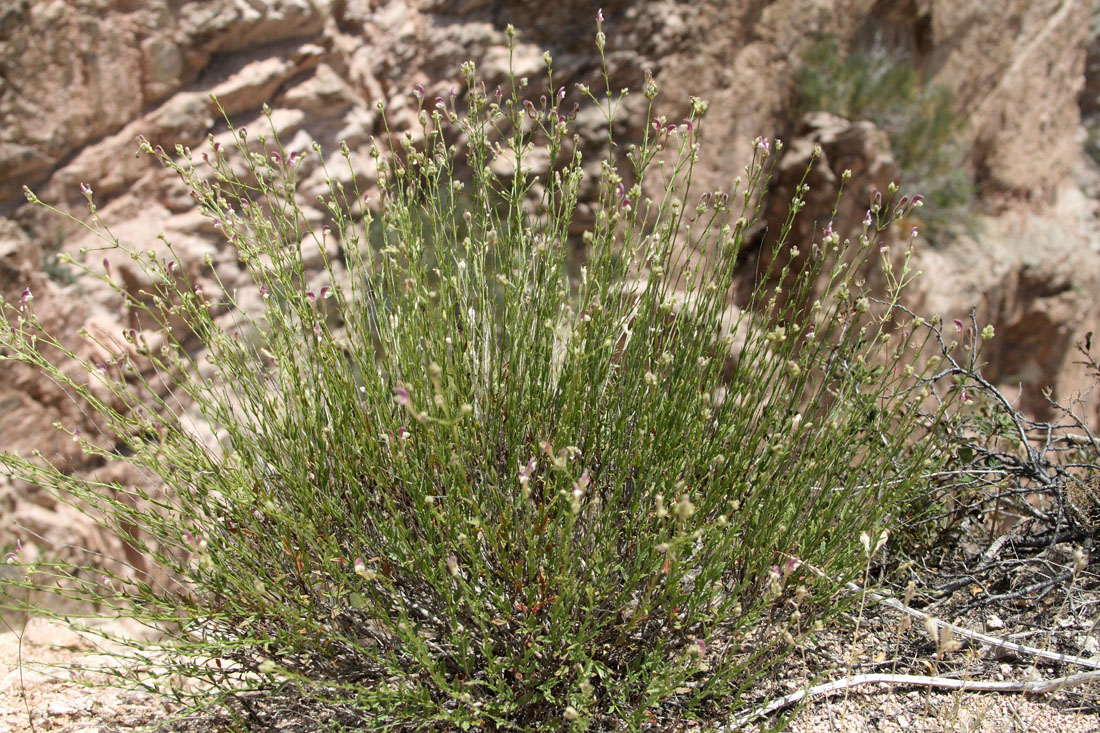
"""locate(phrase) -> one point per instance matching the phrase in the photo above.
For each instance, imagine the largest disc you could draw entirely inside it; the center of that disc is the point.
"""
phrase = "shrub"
(455, 486)
(918, 117)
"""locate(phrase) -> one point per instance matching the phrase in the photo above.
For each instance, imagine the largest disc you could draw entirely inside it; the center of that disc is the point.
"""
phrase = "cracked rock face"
(80, 80)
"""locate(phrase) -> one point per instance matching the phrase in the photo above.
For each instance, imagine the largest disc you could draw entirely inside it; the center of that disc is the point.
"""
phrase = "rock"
(81, 81)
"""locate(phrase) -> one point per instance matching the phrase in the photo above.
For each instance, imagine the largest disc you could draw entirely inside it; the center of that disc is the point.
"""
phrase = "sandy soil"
(59, 703)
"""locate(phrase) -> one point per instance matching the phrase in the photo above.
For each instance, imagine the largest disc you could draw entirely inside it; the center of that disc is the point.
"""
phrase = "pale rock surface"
(81, 80)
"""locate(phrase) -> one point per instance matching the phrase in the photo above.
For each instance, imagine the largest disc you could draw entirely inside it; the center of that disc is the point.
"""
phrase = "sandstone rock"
(81, 81)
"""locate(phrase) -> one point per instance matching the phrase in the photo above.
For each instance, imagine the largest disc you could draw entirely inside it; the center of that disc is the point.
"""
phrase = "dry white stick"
(1037, 687)
(992, 641)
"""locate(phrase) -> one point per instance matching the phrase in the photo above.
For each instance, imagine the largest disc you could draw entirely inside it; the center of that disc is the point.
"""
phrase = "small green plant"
(1092, 140)
(487, 493)
(919, 118)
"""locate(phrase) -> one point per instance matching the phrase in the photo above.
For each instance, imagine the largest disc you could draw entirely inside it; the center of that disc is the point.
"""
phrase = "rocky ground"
(55, 702)
(1056, 618)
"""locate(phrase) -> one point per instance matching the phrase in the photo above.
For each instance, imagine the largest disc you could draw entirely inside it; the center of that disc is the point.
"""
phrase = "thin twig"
(1036, 687)
(992, 641)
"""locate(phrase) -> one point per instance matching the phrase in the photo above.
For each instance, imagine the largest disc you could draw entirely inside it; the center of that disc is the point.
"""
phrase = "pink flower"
(85, 189)
(599, 15)
(13, 557)
(525, 472)
(401, 396)
(958, 325)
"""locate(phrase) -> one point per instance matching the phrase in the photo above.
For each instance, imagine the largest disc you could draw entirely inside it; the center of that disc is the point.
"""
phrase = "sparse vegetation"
(919, 117)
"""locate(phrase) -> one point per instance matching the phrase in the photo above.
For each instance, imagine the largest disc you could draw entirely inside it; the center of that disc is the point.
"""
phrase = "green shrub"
(919, 118)
(458, 487)
(1092, 139)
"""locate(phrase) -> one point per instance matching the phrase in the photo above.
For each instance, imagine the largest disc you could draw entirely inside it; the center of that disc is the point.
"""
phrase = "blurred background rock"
(990, 110)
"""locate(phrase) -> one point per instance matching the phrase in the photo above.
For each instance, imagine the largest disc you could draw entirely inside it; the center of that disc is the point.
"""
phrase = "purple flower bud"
(401, 396)
(599, 15)
(913, 234)
(325, 292)
(561, 93)
(311, 296)
(418, 91)
(14, 556)
(867, 219)
(107, 266)
(499, 93)
(171, 268)
(26, 296)
(439, 103)
(530, 108)
(958, 325)
(276, 158)
(217, 147)
(583, 482)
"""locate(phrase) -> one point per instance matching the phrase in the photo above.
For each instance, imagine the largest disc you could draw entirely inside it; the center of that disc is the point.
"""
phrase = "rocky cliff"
(80, 80)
